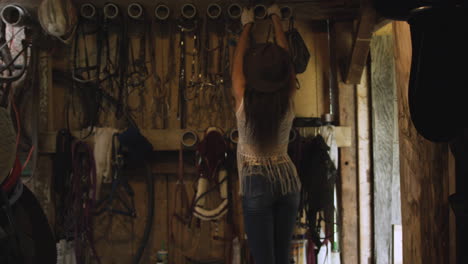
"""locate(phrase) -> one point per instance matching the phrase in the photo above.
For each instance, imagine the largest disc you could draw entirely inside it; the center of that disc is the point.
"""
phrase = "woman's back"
(277, 146)
(271, 161)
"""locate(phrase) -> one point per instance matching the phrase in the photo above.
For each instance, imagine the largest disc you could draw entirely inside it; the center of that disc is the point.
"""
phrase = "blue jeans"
(269, 220)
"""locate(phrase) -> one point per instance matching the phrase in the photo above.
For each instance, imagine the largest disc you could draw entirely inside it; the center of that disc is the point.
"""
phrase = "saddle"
(436, 80)
(212, 151)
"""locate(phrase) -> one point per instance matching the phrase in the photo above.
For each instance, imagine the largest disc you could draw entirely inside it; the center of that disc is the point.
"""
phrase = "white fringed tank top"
(272, 162)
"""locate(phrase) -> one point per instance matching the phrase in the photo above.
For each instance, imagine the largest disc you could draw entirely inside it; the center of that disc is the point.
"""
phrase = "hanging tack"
(111, 11)
(189, 139)
(286, 12)
(234, 11)
(188, 11)
(327, 118)
(14, 15)
(135, 11)
(292, 135)
(162, 12)
(260, 11)
(88, 11)
(214, 11)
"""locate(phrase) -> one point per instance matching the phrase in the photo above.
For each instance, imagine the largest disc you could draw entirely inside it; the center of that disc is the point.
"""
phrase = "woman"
(263, 87)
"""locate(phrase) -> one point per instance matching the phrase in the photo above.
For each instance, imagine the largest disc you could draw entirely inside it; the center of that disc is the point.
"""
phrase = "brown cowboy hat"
(267, 68)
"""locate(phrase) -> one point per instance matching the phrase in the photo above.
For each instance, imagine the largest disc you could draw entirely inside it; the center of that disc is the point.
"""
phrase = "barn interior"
(105, 108)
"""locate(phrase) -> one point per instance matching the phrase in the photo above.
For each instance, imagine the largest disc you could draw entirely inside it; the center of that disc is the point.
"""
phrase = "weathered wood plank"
(347, 183)
(423, 171)
(386, 182)
(364, 170)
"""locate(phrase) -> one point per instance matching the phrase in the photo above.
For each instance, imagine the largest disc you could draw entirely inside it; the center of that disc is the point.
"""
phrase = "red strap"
(310, 252)
(11, 181)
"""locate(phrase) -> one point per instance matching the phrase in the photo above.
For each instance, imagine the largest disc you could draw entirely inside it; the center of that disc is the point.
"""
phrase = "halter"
(212, 152)
(185, 25)
(181, 202)
(86, 79)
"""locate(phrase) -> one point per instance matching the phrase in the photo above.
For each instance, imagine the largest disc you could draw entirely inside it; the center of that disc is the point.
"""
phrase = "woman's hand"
(275, 14)
(247, 16)
(274, 10)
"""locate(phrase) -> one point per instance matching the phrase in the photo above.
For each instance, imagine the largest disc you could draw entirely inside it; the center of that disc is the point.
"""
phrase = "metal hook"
(162, 12)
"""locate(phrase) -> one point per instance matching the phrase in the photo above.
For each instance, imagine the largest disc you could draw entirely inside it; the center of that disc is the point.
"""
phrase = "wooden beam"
(361, 44)
(381, 22)
(169, 139)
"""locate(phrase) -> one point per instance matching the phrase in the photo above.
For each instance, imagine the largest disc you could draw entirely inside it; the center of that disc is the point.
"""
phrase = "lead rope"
(89, 86)
(182, 82)
(84, 196)
(112, 62)
(138, 70)
(198, 85)
(158, 92)
(185, 217)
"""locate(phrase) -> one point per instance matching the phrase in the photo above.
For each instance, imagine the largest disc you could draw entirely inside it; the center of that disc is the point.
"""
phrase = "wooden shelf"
(169, 139)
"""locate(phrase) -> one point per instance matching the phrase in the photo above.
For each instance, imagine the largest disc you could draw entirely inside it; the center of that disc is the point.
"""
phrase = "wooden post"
(347, 182)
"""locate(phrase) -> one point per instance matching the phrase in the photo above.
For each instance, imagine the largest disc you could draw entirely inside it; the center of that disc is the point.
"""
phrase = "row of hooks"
(187, 11)
(17, 15)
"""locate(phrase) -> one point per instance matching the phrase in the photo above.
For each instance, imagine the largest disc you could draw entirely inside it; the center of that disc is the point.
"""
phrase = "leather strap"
(35, 108)
(181, 108)
(180, 193)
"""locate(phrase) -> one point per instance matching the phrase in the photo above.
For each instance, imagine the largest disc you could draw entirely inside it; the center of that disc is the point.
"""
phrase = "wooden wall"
(424, 174)
(310, 102)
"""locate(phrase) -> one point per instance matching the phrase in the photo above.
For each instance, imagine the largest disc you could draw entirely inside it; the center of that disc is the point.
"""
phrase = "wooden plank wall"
(423, 172)
(309, 103)
(386, 183)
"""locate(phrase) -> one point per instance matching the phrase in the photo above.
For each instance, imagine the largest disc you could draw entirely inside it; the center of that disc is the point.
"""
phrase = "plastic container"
(162, 255)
